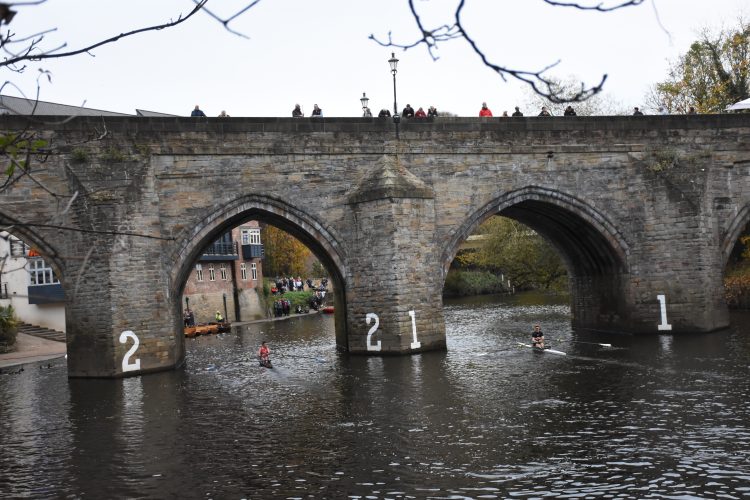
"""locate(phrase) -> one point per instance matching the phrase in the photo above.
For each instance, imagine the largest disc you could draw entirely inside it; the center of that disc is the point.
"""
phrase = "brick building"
(228, 277)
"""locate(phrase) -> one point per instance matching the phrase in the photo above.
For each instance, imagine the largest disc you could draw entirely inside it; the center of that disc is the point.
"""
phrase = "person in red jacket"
(420, 113)
(263, 355)
(485, 111)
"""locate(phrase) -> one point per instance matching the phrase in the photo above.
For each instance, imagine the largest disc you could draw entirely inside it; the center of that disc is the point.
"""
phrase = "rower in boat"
(537, 337)
(263, 355)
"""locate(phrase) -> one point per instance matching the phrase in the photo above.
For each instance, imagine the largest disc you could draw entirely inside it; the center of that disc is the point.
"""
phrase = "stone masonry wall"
(656, 199)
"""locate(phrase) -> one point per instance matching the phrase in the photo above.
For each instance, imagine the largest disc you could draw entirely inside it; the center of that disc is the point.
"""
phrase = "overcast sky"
(318, 51)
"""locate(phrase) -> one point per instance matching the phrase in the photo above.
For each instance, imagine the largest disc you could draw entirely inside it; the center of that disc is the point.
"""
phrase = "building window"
(40, 273)
(223, 271)
(199, 272)
(18, 248)
(211, 273)
(243, 271)
(254, 271)
(250, 236)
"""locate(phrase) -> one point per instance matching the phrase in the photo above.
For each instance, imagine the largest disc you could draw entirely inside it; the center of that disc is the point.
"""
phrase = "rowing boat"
(541, 350)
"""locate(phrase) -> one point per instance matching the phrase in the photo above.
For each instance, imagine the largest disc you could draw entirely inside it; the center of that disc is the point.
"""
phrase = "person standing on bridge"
(317, 111)
(517, 112)
(297, 112)
(408, 112)
(485, 111)
(197, 112)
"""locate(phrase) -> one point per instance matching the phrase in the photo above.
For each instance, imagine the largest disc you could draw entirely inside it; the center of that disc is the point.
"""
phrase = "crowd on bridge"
(408, 112)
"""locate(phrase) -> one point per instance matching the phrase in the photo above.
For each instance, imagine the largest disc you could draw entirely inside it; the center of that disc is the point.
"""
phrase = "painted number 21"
(127, 366)
(416, 344)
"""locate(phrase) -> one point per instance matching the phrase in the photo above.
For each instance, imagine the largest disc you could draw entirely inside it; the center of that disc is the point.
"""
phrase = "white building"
(30, 285)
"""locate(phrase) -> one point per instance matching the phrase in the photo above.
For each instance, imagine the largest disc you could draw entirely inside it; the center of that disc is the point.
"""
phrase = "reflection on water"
(652, 417)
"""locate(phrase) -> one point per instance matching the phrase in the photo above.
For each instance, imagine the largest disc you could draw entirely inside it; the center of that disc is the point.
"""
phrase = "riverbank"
(31, 349)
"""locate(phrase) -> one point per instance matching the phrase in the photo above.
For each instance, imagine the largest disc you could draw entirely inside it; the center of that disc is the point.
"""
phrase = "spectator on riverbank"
(384, 113)
(637, 111)
(408, 112)
(544, 111)
(420, 114)
(223, 114)
(569, 111)
(517, 112)
(297, 112)
(485, 111)
(197, 112)
(432, 112)
(316, 112)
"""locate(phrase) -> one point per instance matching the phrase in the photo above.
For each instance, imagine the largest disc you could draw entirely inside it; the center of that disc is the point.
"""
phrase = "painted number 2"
(370, 346)
(127, 366)
(377, 346)
(663, 304)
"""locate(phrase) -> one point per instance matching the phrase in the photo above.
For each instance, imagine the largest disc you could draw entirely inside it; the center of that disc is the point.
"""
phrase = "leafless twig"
(541, 84)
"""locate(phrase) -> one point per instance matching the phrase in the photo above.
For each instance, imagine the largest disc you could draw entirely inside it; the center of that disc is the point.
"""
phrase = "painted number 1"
(663, 303)
(416, 344)
(127, 366)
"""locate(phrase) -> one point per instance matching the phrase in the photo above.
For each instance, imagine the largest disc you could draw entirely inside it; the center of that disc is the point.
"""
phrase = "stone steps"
(38, 331)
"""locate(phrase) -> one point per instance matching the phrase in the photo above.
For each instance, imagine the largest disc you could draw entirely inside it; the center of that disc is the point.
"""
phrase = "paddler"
(263, 354)
(537, 337)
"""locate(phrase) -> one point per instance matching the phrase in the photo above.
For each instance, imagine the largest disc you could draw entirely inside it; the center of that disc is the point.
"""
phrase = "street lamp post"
(226, 315)
(394, 65)
(365, 101)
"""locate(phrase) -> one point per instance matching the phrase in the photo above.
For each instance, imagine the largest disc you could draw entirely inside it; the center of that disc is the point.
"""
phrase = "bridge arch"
(594, 251)
(733, 233)
(323, 241)
(34, 238)
(558, 216)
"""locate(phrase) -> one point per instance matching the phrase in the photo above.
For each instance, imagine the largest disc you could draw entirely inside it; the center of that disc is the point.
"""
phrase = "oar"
(592, 343)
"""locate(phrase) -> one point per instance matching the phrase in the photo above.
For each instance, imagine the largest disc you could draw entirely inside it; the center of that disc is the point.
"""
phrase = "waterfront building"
(228, 277)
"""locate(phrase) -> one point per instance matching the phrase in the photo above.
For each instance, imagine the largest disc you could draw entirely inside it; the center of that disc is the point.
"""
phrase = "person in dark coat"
(197, 112)
(517, 112)
(384, 113)
(408, 112)
(297, 112)
(569, 111)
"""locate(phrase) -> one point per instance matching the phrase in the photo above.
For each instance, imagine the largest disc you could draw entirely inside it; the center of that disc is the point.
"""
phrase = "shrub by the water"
(461, 283)
(8, 329)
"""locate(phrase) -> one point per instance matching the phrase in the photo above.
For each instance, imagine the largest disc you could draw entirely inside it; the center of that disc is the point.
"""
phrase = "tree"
(599, 104)
(521, 254)
(713, 74)
(285, 255)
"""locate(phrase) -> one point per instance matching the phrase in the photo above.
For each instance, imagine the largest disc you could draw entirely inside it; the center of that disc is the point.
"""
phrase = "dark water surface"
(653, 417)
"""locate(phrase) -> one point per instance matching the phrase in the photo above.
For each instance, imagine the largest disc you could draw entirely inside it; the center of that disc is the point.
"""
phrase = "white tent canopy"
(740, 105)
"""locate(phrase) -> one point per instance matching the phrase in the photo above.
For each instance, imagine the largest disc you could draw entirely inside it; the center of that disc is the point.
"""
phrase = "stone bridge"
(643, 210)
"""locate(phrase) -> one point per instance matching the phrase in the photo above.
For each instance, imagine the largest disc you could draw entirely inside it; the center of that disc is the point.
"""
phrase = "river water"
(651, 417)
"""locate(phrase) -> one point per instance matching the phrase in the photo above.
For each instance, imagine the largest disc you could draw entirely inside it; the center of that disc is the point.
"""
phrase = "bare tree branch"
(80, 230)
(225, 22)
(600, 7)
(541, 84)
(29, 56)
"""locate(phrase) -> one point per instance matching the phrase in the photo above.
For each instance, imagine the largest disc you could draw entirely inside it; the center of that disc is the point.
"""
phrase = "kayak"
(540, 350)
